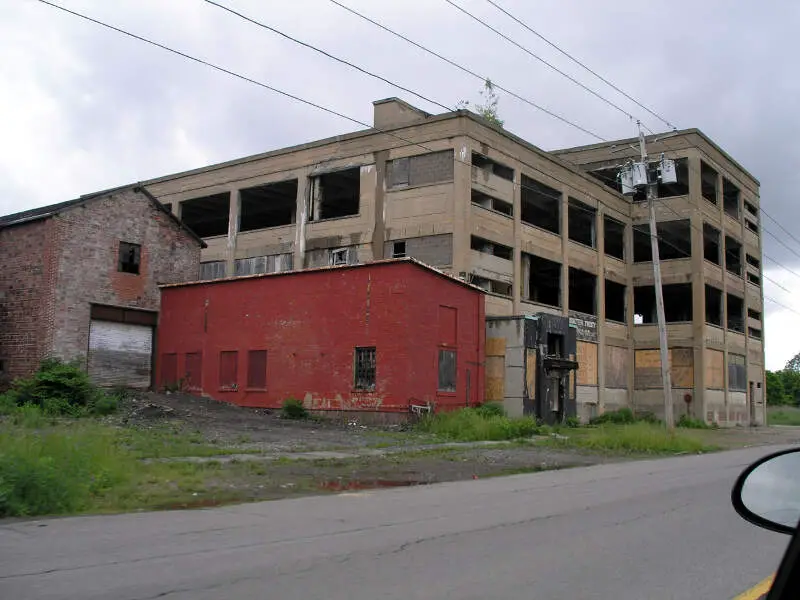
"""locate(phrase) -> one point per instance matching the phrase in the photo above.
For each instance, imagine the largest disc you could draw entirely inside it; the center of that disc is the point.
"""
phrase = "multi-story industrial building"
(541, 232)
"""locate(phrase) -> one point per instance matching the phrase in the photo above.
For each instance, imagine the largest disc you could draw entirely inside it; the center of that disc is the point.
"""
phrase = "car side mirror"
(767, 493)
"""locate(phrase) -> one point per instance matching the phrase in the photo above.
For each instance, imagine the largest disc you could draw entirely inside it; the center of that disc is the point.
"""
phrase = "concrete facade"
(534, 229)
(399, 334)
(62, 269)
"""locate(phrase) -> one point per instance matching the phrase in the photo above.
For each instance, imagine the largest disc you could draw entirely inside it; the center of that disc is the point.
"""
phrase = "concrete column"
(564, 253)
(698, 407)
(629, 312)
(461, 199)
(601, 309)
(301, 217)
(518, 283)
(720, 204)
(233, 231)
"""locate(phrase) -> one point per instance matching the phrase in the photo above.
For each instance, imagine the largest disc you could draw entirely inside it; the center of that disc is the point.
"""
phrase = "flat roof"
(376, 263)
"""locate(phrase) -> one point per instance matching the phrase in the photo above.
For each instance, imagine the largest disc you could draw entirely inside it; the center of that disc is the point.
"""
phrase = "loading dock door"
(120, 354)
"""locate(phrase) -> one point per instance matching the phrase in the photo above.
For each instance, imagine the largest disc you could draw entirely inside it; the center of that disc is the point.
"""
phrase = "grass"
(173, 442)
(783, 415)
(633, 438)
(474, 425)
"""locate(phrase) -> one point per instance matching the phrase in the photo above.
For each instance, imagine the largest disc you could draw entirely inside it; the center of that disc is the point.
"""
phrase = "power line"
(774, 220)
(327, 54)
(795, 273)
(575, 60)
(468, 71)
(540, 59)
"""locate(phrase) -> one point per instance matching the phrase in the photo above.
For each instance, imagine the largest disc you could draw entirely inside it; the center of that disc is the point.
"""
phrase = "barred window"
(364, 368)
(447, 370)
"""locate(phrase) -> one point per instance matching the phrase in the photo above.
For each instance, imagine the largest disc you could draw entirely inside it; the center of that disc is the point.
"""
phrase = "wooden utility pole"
(669, 418)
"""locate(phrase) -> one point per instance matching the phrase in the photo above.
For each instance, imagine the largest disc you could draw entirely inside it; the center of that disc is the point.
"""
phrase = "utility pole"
(651, 187)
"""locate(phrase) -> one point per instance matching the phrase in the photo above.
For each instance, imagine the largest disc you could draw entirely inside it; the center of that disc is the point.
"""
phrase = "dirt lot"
(280, 458)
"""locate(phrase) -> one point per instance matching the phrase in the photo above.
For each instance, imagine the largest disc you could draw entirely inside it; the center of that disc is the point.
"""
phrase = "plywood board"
(682, 367)
(587, 363)
(647, 369)
(495, 346)
(495, 378)
(715, 369)
(617, 366)
(530, 372)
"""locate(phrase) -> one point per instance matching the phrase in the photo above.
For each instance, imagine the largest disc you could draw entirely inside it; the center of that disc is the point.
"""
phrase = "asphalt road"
(660, 529)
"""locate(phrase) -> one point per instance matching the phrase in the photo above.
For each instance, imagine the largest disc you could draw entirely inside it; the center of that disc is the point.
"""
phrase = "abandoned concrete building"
(80, 282)
(540, 232)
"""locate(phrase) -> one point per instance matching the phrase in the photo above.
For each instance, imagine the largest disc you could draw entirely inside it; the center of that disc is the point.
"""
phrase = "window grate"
(365, 368)
(447, 370)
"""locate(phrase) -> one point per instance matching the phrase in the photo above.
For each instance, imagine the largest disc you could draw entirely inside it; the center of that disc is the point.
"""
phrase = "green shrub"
(28, 415)
(491, 409)
(623, 416)
(106, 404)
(7, 404)
(58, 388)
(470, 424)
(58, 471)
(294, 409)
(688, 422)
(572, 422)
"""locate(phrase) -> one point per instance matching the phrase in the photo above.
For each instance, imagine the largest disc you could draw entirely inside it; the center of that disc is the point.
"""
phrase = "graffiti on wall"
(354, 402)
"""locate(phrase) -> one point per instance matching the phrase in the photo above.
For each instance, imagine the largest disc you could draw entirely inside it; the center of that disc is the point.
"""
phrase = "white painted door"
(120, 354)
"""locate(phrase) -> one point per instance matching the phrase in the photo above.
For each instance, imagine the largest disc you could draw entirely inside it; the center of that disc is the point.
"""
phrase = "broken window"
(677, 303)
(214, 269)
(399, 249)
(674, 239)
(493, 248)
(544, 281)
(642, 249)
(679, 188)
(735, 313)
(541, 205)
(342, 256)
(711, 244)
(491, 285)
(130, 256)
(336, 194)
(492, 203)
(733, 255)
(447, 370)
(613, 238)
(257, 369)
(754, 314)
(555, 344)
(737, 373)
(487, 164)
(615, 301)
(730, 198)
(713, 305)
(582, 291)
(364, 368)
(708, 182)
(255, 265)
(753, 261)
(751, 208)
(228, 367)
(751, 226)
(754, 332)
(609, 177)
(270, 205)
(581, 223)
(207, 216)
(754, 279)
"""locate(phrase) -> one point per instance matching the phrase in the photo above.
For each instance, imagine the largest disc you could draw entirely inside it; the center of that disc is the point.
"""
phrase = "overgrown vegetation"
(294, 409)
(57, 389)
(634, 438)
(624, 416)
(784, 415)
(488, 109)
(688, 422)
(483, 423)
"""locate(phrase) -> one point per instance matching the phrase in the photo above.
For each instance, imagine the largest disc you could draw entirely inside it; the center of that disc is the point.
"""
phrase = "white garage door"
(120, 354)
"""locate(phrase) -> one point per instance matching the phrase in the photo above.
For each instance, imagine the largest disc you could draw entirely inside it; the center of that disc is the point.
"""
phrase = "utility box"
(530, 365)
(639, 173)
(666, 171)
(626, 181)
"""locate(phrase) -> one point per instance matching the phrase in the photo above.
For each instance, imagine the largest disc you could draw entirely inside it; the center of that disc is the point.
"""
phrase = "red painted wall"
(310, 322)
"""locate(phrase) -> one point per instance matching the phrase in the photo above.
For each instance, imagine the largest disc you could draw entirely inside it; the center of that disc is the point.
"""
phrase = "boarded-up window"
(647, 373)
(194, 368)
(587, 363)
(616, 367)
(257, 369)
(737, 373)
(364, 368)
(448, 317)
(714, 363)
(447, 370)
(495, 369)
(228, 369)
(169, 369)
(424, 169)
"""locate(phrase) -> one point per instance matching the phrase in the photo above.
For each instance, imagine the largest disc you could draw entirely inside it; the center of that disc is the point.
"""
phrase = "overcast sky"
(83, 108)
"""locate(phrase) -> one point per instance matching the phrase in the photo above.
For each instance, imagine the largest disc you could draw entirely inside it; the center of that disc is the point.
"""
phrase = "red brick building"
(379, 336)
(80, 282)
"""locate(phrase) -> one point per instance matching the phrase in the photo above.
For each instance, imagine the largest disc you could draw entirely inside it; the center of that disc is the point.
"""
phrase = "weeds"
(474, 424)
(688, 422)
(783, 415)
(638, 438)
(294, 409)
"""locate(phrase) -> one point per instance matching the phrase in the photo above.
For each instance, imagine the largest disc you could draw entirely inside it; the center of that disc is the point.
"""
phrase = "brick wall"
(88, 263)
(25, 307)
